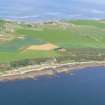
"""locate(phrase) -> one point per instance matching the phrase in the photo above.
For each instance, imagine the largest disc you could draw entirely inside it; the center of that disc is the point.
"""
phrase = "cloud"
(97, 11)
(94, 1)
(52, 13)
(21, 17)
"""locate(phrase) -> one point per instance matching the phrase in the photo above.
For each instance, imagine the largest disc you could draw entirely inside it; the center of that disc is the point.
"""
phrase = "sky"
(94, 1)
(52, 9)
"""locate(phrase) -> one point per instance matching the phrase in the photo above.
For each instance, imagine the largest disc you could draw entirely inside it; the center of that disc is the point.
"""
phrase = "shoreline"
(35, 71)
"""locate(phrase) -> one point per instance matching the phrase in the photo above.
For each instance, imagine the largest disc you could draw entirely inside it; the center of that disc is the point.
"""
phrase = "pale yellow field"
(43, 47)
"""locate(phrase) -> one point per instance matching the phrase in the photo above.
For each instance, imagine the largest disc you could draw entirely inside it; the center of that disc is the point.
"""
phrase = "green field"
(81, 39)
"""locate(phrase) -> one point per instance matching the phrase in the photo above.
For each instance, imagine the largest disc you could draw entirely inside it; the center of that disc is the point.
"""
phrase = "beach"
(34, 71)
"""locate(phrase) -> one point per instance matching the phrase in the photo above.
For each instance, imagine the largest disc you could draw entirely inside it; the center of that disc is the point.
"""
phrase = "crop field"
(71, 37)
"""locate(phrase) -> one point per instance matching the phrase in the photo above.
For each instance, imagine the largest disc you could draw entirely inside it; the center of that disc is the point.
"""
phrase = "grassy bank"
(77, 40)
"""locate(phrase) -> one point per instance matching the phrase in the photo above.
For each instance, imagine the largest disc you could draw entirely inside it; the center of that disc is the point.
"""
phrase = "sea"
(81, 87)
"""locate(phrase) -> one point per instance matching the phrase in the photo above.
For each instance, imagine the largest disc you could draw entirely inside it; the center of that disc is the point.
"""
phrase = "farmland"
(76, 40)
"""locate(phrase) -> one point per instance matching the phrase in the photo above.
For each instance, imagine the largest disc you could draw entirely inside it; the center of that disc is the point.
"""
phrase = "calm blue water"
(84, 87)
(52, 9)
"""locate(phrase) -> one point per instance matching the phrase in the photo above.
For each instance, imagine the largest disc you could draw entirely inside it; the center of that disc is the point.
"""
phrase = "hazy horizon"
(50, 9)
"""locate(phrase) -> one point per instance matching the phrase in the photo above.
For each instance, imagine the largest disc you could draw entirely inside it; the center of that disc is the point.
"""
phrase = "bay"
(83, 87)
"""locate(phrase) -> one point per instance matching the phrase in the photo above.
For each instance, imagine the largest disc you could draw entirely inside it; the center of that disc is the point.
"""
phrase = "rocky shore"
(34, 71)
